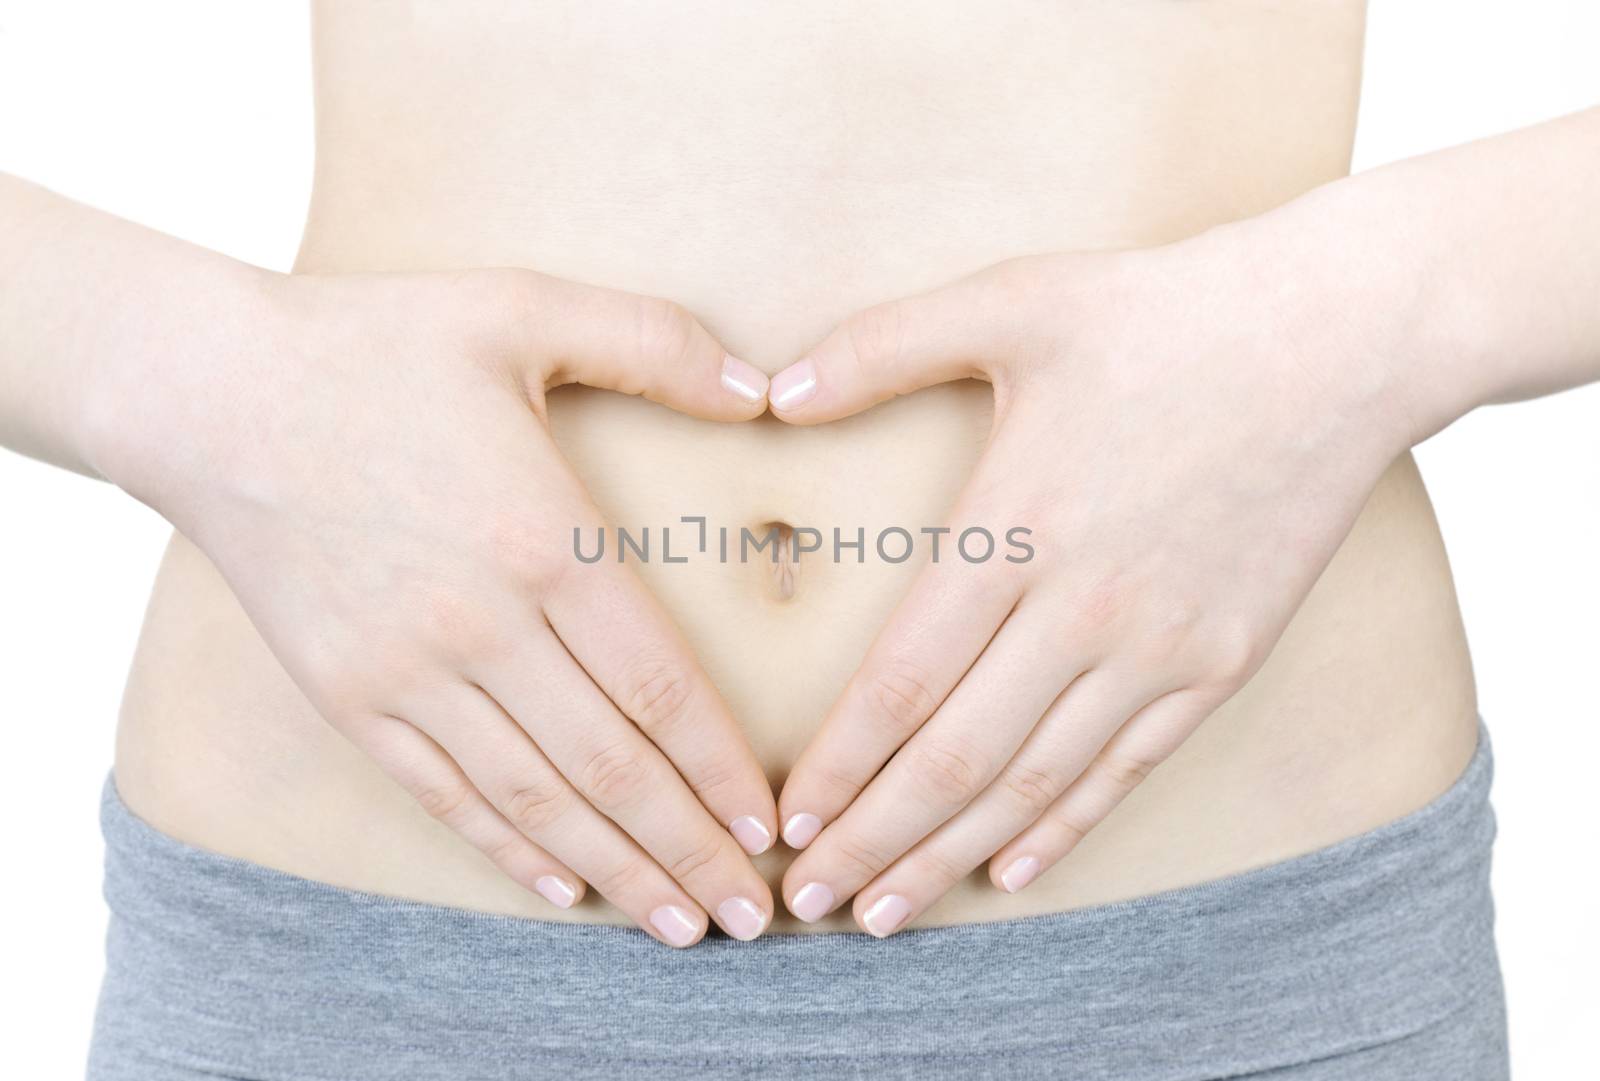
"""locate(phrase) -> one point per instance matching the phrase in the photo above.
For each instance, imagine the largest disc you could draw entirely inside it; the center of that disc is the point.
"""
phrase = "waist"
(1363, 712)
(1377, 952)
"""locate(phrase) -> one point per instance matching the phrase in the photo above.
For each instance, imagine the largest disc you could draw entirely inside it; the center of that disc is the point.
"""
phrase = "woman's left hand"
(1188, 440)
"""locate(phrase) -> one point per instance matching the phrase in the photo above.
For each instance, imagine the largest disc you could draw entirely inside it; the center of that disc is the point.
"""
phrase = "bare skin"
(830, 166)
(840, 158)
(1203, 468)
(549, 714)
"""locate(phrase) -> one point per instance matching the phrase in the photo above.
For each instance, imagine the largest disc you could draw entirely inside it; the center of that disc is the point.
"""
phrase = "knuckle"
(1020, 301)
(1015, 282)
(341, 700)
(933, 867)
(838, 777)
(1072, 823)
(510, 286)
(1236, 654)
(1033, 788)
(509, 853)
(497, 307)
(535, 808)
(523, 545)
(658, 696)
(860, 857)
(1124, 771)
(488, 296)
(448, 803)
(613, 778)
(876, 335)
(335, 678)
(696, 859)
(509, 291)
(1179, 618)
(713, 776)
(666, 330)
(1168, 633)
(453, 621)
(900, 695)
(1100, 606)
(948, 774)
(619, 879)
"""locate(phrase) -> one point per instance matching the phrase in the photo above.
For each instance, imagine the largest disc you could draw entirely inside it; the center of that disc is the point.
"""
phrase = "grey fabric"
(1373, 959)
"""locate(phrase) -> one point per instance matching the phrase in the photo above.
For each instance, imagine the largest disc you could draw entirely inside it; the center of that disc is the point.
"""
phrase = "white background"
(195, 117)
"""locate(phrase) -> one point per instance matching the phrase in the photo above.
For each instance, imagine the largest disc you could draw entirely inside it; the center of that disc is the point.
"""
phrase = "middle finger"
(628, 779)
(1067, 739)
(947, 763)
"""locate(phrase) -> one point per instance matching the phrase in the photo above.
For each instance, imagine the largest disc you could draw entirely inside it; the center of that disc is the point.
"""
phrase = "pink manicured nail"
(741, 918)
(812, 902)
(744, 380)
(675, 925)
(886, 914)
(752, 836)
(1019, 874)
(801, 830)
(794, 386)
(557, 891)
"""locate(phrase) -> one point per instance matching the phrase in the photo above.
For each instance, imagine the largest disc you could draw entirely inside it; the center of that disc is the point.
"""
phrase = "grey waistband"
(219, 966)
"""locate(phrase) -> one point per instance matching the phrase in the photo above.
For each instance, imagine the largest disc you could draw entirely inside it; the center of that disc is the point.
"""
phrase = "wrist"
(1356, 302)
(161, 414)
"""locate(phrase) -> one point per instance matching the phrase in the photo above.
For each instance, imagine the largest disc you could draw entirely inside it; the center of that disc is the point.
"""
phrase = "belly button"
(784, 570)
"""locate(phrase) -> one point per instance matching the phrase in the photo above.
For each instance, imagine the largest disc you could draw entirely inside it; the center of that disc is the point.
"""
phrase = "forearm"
(1464, 277)
(95, 313)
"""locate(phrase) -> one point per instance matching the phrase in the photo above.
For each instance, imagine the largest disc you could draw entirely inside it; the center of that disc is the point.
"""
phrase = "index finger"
(929, 643)
(633, 344)
(619, 634)
(955, 332)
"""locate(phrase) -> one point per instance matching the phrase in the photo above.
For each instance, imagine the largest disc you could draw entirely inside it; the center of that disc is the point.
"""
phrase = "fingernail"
(794, 386)
(557, 891)
(801, 830)
(743, 379)
(886, 914)
(812, 902)
(741, 918)
(675, 925)
(1019, 874)
(752, 836)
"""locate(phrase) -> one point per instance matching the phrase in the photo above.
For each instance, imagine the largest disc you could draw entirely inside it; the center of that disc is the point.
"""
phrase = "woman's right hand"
(372, 473)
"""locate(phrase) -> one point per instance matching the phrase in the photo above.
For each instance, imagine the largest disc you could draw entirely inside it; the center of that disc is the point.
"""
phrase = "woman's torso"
(774, 168)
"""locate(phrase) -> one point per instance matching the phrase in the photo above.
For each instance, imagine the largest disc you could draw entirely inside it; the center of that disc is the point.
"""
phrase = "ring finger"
(516, 777)
(1066, 740)
(627, 779)
(948, 763)
(434, 780)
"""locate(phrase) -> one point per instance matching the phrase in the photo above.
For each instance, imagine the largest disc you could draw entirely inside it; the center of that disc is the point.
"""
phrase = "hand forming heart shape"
(1187, 468)
(1184, 477)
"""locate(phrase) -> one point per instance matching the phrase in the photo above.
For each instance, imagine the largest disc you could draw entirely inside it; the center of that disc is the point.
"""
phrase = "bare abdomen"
(774, 172)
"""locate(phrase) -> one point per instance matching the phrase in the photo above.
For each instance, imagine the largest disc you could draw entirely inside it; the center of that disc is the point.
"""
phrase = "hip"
(1363, 713)
(1373, 958)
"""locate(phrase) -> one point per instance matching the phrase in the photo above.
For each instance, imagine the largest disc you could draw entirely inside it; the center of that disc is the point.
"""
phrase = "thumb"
(892, 349)
(636, 345)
